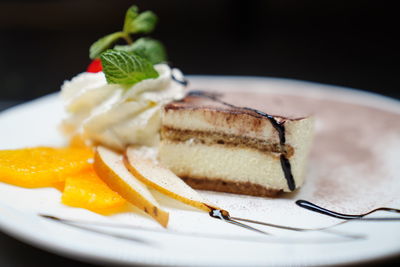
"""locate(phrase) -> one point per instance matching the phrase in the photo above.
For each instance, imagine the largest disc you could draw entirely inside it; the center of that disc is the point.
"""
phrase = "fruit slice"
(110, 167)
(42, 166)
(78, 141)
(86, 190)
(163, 180)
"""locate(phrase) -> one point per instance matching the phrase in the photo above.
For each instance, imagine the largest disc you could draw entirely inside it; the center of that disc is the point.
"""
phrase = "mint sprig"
(148, 48)
(144, 23)
(139, 23)
(123, 68)
(130, 16)
(131, 63)
(135, 23)
(103, 43)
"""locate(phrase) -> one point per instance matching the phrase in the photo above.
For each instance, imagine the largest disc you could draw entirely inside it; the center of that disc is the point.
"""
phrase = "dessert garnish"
(222, 215)
(135, 23)
(42, 166)
(313, 207)
(117, 102)
(110, 167)
(95, 66)
(131, 63)
(131, 175)
(163, 180)
(214, 145)
(67, 169)
(86, 190)
(182, 81)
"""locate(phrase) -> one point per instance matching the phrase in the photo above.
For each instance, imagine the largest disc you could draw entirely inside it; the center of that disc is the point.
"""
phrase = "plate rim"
(41, 244)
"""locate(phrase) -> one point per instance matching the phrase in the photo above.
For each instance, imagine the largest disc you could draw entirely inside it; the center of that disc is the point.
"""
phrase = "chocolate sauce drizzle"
(278, 126)
(224, 215)
(285, 163)
(313, 207)
(184, 82)
(215, 213)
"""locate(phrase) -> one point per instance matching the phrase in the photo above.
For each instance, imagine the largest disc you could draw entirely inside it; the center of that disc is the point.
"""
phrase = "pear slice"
(110, 167)
(163, 180)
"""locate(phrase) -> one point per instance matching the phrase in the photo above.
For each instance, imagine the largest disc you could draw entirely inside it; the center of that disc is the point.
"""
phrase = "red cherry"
(95, 66)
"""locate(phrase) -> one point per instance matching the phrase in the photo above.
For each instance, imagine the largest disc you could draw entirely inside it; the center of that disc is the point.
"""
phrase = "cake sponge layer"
(227, 164)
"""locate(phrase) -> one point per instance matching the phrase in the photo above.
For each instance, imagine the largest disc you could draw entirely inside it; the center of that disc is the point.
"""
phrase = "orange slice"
(86, 190)
(42, 166)
(79, 141)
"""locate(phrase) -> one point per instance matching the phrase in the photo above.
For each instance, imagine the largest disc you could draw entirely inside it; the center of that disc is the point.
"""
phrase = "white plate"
(353, 168)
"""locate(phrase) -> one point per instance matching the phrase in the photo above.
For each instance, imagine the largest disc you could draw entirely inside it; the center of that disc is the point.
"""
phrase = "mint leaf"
(130, 16)
(144, 23)
(120, 67)
(148, 48)
(103, 43)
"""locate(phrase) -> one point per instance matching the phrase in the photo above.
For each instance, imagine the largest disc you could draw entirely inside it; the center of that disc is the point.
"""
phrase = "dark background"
(348, 43)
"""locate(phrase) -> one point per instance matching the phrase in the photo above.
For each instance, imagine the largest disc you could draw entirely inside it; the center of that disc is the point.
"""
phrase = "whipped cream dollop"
(117, 116)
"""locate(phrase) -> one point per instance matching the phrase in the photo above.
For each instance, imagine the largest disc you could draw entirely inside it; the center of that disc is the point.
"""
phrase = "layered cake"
(213, 145)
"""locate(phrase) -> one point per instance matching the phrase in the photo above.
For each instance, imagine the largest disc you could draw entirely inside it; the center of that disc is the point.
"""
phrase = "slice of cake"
(213, 145)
